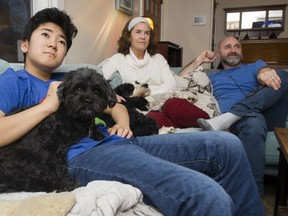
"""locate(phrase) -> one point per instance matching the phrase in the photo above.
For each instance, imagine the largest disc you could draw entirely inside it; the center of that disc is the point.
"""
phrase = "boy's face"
(46, 49)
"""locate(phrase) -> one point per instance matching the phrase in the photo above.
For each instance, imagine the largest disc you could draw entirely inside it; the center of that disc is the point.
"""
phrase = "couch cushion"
(61, 69)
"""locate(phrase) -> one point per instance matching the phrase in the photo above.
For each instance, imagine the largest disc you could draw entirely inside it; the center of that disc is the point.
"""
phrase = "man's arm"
(13, 127)
(120, 115)
(206, 56)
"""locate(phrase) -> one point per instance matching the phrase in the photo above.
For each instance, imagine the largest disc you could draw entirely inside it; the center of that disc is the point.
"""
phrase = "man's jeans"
(261, 112)
(198, 173)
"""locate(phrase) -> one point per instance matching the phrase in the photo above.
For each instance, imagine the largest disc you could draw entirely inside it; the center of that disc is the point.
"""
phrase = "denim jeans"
(198, 173)
(261, 112)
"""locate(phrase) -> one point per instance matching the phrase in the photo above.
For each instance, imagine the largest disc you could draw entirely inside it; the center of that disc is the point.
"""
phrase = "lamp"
(150, 22)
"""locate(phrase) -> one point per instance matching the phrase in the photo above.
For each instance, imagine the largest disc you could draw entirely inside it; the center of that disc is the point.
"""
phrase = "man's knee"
(250, 125)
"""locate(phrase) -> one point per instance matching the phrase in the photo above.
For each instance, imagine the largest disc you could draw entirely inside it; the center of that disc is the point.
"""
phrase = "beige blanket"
(195, 88)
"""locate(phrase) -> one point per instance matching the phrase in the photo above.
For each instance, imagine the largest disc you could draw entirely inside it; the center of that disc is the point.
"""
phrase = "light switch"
(199, 20)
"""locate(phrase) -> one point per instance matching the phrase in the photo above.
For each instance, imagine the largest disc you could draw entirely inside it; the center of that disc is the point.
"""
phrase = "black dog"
(140, 124)
(37, 161)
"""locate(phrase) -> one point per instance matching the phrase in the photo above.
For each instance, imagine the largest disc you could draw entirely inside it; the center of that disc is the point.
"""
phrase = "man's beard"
(232, 62)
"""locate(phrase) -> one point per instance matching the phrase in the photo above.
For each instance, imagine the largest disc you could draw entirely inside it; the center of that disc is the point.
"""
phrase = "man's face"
(230, 52)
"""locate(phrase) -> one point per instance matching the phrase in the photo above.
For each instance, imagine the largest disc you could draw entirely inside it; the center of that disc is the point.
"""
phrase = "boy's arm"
(13, 127)
(121, 117)
(206, 56)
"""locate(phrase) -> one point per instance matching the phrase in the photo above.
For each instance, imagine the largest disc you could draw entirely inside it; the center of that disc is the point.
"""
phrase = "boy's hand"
(52, 100)
(120, 131)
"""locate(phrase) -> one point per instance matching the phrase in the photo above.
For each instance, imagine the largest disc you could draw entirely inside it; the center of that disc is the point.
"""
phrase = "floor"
(269, 197)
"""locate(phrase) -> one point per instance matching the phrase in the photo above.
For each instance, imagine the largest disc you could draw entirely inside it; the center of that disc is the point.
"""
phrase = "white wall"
(99, 25)
(177, 26)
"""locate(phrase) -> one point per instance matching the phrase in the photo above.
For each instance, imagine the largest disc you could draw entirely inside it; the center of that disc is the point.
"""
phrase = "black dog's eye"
(96, 90)
(79, 89)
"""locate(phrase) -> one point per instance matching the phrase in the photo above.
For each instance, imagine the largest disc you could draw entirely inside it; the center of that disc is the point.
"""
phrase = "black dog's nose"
(88, 101)
(145, 85)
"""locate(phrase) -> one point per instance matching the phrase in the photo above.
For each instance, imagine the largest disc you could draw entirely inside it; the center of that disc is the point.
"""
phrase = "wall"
(177, 26)
(99, 25)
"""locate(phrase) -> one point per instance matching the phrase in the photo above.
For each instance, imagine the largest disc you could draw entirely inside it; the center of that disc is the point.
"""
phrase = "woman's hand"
(119, 98)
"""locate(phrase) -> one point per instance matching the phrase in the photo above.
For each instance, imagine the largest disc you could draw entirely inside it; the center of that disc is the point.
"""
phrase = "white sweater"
(153, 70)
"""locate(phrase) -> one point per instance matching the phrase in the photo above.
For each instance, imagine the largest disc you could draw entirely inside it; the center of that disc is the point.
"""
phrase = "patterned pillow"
(198, 83)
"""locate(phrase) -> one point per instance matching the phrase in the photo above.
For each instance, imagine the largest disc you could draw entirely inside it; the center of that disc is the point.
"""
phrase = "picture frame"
(138, 8)
(125, 6)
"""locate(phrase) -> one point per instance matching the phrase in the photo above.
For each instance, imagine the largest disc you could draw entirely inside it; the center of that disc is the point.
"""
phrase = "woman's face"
(140, 37)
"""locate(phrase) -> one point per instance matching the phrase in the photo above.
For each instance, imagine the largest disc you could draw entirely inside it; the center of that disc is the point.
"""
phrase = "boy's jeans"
(172, 172)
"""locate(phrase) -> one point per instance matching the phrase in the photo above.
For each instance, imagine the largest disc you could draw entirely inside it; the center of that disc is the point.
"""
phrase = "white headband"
(135, 21)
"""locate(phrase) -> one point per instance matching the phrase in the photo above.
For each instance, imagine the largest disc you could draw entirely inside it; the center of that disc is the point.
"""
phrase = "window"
(263, 18)
(13, 17)
(14, 14)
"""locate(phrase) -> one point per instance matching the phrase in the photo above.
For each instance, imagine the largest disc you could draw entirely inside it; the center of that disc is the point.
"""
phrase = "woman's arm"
(206, 56)
(120, 115)
(161, 77)
(13, 127)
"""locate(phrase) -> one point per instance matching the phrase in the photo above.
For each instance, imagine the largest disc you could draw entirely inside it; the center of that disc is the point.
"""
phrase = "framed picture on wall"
(125, 6)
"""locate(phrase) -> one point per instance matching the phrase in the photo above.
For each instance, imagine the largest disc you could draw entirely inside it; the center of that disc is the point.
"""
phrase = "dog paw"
(167, 130)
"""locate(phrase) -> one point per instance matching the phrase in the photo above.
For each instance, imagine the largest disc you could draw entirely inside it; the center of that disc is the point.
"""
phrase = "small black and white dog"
(37, 161)
(135, 102)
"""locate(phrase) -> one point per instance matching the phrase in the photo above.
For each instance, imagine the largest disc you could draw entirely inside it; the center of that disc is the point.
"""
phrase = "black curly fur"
(37, 161)
(140, 124)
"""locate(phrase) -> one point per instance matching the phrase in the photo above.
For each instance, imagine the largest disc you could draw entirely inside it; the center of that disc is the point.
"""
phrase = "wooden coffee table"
(280, 207)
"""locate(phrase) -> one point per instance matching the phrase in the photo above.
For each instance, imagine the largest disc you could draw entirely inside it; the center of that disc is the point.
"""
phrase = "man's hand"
(207, 56)
(120, 131)
(268, 76)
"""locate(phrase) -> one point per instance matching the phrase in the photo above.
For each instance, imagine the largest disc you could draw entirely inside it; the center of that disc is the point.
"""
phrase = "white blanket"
(98, 198)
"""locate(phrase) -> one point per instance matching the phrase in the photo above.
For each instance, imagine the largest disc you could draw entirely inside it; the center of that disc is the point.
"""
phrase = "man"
(252, 99)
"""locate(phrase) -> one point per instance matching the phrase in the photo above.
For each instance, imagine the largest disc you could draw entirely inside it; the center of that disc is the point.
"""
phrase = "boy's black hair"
(53, 15)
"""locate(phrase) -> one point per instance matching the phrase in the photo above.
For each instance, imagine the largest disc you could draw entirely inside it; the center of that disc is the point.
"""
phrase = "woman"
(136, 61)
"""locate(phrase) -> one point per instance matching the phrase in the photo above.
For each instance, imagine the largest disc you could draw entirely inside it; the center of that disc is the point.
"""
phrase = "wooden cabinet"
(172, 53)
(273, 51)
